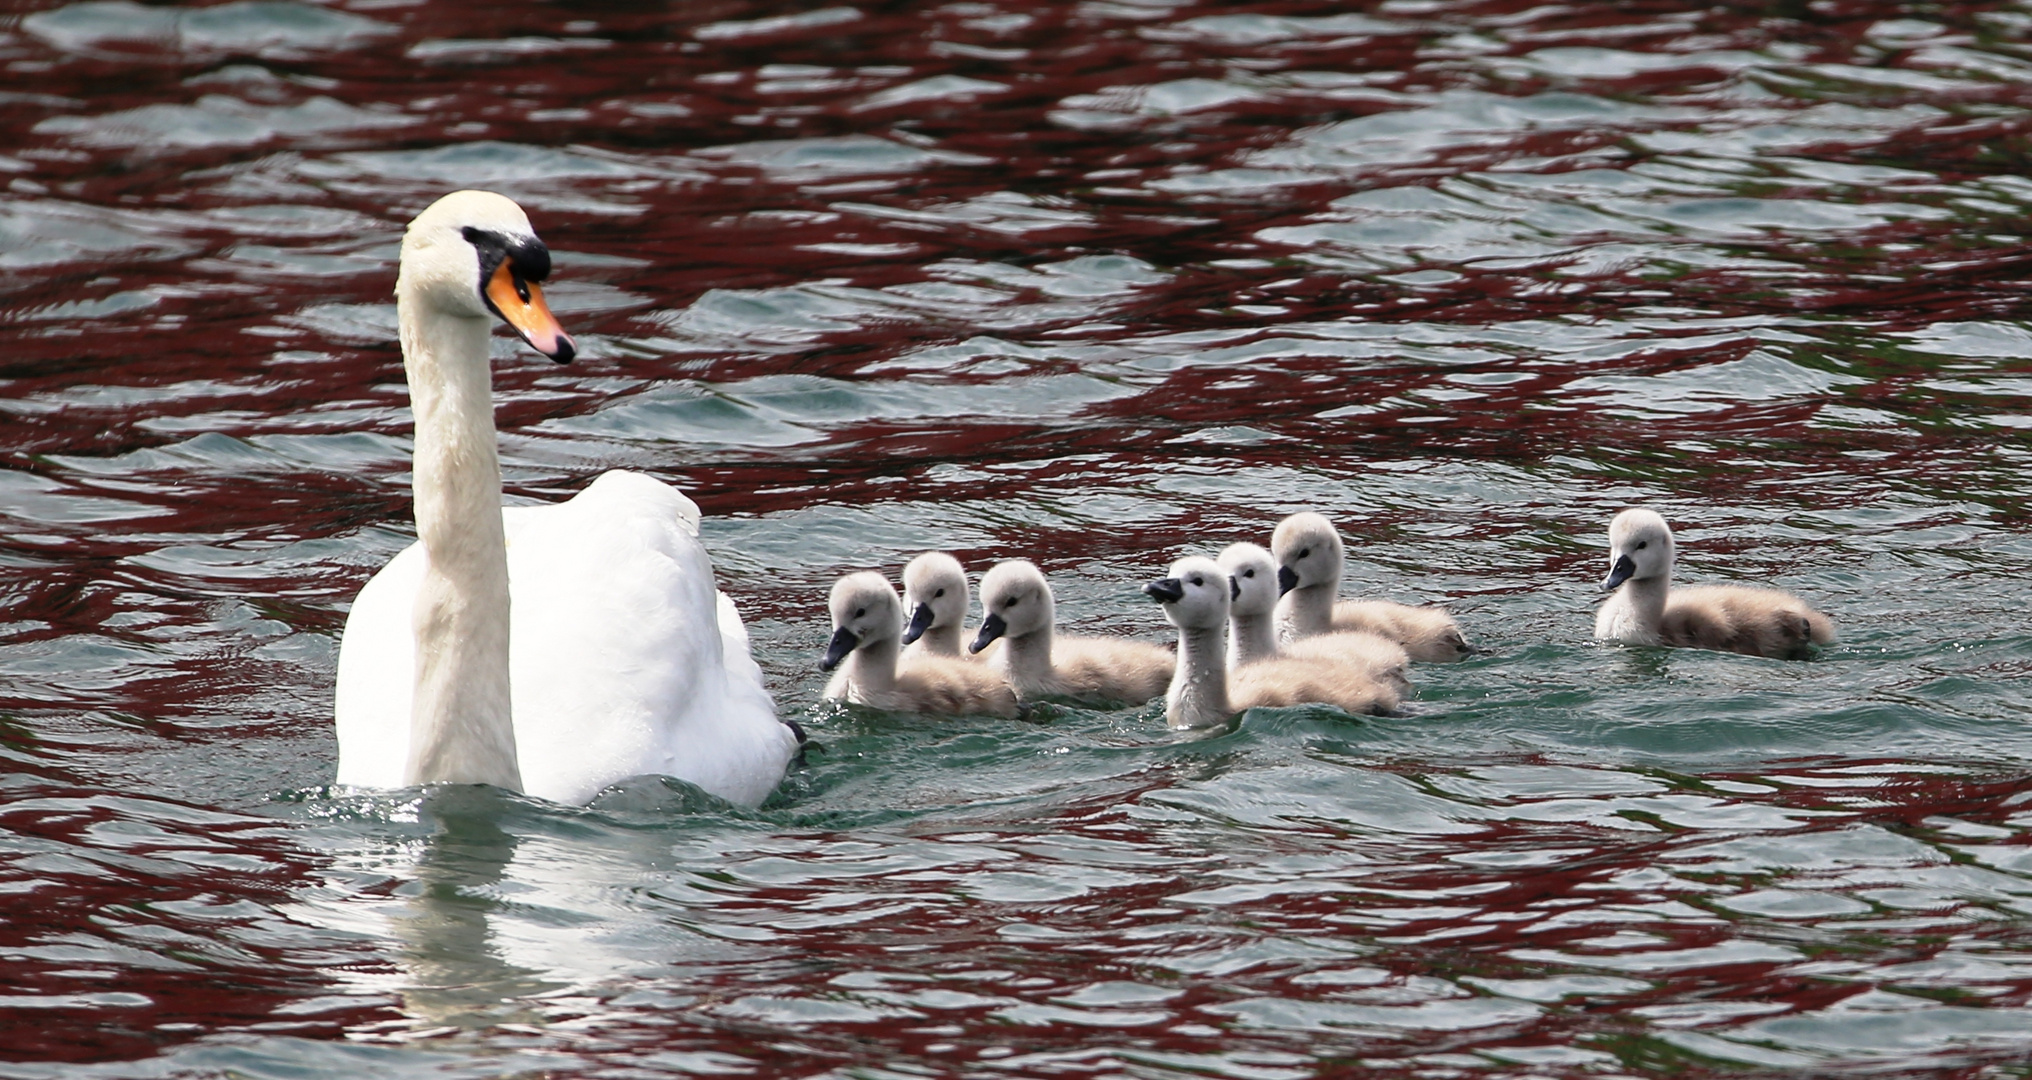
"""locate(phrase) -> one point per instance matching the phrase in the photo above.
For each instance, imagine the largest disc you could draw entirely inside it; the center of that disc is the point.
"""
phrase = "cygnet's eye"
(1198, 581)
(1011, 602)
(1303, 552)
(938, 594)
(1248, 573)
(1642, 544)
(860, 613)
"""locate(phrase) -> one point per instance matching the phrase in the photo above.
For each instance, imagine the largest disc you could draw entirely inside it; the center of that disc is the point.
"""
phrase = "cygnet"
(1018, 611)
(1647, 610)
(935, 595)
(1252, 631)
(867, 620)
(1309, 554)
(1203, 691)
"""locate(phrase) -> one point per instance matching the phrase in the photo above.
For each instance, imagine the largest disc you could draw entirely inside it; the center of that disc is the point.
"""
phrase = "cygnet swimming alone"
(1195, 595)
(935, 596)
(867, 622)
(1647, 610)
(1252, 630)
(1309, 553)
(1018, 610)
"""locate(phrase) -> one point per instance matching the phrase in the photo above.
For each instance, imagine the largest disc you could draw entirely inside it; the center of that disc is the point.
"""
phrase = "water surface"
(1095, 284)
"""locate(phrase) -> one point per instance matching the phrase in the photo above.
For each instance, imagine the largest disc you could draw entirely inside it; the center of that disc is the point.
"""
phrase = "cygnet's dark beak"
(992, 627)
(1619, 572)
(920, 621)
(843, 642)
(1168, 590)
(1234, 587)
(1287, 580)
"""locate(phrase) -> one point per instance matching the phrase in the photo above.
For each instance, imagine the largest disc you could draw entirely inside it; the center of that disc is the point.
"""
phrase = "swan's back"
(1743, 619)
(1293, 681)
(626, 659)
(1428, 634)
(1111, 669)
(1372, 655)
(949, 686)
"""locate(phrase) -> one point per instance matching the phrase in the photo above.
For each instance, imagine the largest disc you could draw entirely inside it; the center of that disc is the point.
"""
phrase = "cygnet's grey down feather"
(1017, 610)
(1647, 610)
(867, 626)
(1309, 553)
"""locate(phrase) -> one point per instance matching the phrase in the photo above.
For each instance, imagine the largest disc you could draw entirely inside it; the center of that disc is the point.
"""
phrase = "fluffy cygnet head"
(473, 253)
(1308, 551)
(865, 609)
(1252, 579)
(934, 592)
(1640, 548)
(1015, 602)
(1194, 592)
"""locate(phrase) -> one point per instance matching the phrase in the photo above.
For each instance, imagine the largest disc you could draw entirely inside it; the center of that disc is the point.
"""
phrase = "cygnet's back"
(1736, 618)
(935, 603)
(867, 623)
(1196, 596)
(1019, 611)
(1252, 635)
(1309, 553)
(1647, 610)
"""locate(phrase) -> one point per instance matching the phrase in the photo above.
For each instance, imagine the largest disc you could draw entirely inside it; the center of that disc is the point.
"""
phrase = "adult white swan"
(551, 650)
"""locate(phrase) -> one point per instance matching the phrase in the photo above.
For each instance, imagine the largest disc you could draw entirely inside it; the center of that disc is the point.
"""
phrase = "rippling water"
(1097, 284)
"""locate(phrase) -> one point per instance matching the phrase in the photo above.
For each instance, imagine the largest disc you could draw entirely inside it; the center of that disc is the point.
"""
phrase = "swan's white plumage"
(620, 656)
(625, 659)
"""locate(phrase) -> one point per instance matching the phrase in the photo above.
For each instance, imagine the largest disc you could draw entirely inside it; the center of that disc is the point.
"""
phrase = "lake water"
(1097, 284)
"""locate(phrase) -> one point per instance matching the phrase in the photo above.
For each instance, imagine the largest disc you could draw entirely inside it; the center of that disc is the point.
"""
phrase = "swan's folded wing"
(622, 658)
(377, 664)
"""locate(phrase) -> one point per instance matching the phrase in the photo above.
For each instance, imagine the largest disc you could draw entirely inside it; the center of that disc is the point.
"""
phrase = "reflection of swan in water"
(618, 656)
(508, 906)
(454, 971)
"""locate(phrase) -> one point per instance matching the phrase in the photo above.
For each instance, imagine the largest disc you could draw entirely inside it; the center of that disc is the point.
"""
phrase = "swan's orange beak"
(520, 304)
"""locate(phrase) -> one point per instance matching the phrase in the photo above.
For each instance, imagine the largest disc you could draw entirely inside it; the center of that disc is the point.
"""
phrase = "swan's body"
(1647, 610)
(549, 650)
(935, 596)
(1203, 691)
(1252, 631)
(1018, 610)
(1309, 553)
(867, 620)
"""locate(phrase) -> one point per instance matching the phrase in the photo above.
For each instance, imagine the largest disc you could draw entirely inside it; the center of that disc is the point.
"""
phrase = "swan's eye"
(860, 613)
(1198, 581)
(1248, 573)
(1011, 602)
(1303, 552)
(1642, 544)
(938, 594)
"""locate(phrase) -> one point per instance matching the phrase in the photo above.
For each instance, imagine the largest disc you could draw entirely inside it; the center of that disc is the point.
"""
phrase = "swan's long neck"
(1199, 684)
(1638, 611)
(1252, 638)
(873, 670)
(461, 729)
(1307, 610)
(1027, 659)
(943, 640)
